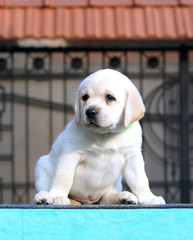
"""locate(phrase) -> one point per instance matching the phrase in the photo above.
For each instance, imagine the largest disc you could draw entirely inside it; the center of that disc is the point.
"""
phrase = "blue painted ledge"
(32, 222)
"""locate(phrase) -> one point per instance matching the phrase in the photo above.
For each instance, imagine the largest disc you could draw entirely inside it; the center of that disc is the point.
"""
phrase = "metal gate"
(36, 92)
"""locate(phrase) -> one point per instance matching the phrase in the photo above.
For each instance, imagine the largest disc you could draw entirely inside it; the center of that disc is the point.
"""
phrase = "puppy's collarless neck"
(122, 130)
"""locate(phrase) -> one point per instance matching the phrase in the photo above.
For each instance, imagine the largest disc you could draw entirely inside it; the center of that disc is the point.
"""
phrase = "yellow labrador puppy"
(99, 146)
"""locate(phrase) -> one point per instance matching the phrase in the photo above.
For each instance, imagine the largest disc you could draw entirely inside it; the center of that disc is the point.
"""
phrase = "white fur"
(88, 158)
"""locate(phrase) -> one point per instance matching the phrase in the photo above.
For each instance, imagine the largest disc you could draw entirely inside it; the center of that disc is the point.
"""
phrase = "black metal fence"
(36, 92)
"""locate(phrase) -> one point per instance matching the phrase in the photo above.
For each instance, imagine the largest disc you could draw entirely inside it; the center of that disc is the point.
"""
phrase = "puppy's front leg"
(63, 179)
(135, 176)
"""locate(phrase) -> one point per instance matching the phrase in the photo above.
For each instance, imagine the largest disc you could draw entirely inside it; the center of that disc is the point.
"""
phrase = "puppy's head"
(107, 101)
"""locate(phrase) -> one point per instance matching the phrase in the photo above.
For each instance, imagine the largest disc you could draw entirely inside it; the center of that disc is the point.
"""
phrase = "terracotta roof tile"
(138, 23)
(48, 30)
(150, 22)
(63, 23)
(108, 22)
(65, 3)
(59, 24)
(127, 26)
(93, 3)
(158, 29)
(33, 23)
(120, 22)
(90, 19)
(30, 20)
(78, 23)
(93, 19)
(1, 21)
(186, 2)
(97, 22)
(187, 15)
(18, 20)
(6, 26)
(156, 2)
(111, 3)
(168, 23)
(22, 3)
(178, 15)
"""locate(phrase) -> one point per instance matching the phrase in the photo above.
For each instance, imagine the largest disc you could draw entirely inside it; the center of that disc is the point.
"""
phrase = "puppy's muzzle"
(91, 113)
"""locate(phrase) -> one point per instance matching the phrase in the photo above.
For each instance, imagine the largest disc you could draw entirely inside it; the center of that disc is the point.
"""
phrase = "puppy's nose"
(91, 113)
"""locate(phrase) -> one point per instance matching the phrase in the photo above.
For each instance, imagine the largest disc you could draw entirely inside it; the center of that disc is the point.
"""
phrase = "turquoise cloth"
(93, 224)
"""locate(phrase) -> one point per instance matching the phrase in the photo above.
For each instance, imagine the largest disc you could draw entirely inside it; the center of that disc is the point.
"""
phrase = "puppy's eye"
(110, 98)
(85, 97)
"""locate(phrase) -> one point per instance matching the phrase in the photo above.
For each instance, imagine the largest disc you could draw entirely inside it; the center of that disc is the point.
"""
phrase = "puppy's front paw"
(45, 197)
(157, 200)
(59, 200)
(127, 198)
(152, 199)
(41, 198)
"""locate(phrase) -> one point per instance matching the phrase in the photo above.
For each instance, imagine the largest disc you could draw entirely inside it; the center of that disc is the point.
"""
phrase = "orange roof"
(96, 19)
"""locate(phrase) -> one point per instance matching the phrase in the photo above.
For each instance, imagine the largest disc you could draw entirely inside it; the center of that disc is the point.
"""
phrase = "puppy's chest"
(104, 160)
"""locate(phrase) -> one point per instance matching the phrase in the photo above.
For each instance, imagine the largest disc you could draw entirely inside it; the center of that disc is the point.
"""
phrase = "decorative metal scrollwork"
(76, 63)
(115, 62)
(2, 105)
(38, 63)
(162, 134)
(153, 62)
(3, 64)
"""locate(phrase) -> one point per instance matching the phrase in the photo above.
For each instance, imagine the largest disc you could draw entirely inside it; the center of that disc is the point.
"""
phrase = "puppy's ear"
(77, 108)
(134, 107)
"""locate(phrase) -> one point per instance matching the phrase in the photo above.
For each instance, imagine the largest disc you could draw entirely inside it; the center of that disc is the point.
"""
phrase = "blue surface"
(88, 224)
